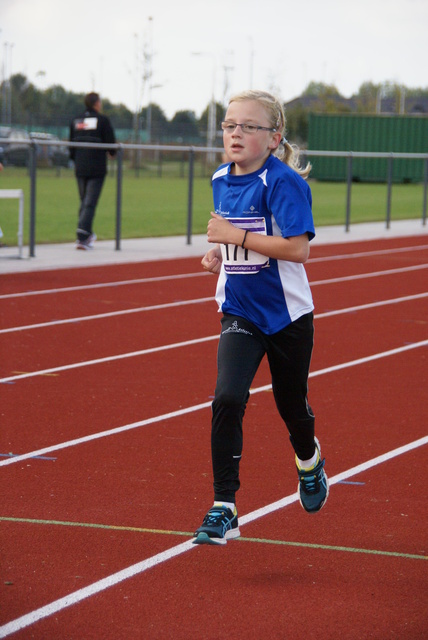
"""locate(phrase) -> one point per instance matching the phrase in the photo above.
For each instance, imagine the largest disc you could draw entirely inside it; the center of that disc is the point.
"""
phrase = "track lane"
(34, 310)
(258, 553)
(165, 327)
(82, 276)
(366, 437)
(137, 394)
(141, 384)
(67, 301)
(143, 325)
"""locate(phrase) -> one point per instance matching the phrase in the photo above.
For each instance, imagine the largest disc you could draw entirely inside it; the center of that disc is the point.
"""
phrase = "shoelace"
(216, 517)
(312, 482)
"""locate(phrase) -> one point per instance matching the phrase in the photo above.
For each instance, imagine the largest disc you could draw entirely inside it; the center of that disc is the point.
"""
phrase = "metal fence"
(191, 151)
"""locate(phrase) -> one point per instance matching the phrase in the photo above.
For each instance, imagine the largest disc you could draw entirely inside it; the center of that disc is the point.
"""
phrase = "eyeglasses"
(230, 127)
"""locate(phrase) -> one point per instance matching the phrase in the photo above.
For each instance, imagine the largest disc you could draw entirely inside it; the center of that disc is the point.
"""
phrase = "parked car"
(16, 153)
(3, 134)
(50, 155)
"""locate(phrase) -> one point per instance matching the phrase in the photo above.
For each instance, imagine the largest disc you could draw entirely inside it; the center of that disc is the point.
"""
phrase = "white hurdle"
(17, 193)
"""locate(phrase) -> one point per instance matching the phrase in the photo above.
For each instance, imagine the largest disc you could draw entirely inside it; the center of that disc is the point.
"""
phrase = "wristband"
(245, 237)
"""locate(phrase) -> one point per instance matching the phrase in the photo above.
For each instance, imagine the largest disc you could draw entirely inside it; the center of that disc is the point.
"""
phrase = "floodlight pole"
(148, 77)
(212, 108)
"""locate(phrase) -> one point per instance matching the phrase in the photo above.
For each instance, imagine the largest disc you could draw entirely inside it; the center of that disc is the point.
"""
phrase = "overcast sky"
(278, 45)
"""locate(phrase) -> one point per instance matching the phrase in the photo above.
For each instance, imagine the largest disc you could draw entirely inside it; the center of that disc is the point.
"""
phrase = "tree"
(119, 114)
(366, 97)
(297, 118)
(184, 126)
(154, 118)
(320, 90)
(23, 105)
(219, 116)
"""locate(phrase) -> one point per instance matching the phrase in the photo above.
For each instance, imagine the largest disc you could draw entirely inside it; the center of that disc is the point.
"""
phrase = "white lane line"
(111, 314)
(372, 305)
(167, 305)
(87, 363)
(108, 432)
(368, 254)
(372, 274)
(99, 285)
(92, 589)
(120, 356)
(198, 407)
(279, 504)
(372, 358)
(136, 569)
(104, 285)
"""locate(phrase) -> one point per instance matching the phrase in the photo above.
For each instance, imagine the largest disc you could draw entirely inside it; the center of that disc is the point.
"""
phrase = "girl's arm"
(294, 249)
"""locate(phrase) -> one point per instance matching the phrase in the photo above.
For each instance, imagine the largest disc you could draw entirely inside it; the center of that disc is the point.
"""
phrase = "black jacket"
(91, 126)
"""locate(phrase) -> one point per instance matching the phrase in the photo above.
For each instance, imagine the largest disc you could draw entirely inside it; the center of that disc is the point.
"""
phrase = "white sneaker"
(88, 244)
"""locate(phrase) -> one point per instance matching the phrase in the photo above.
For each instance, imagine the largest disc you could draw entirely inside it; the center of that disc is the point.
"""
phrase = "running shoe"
(88, 244)
(219, 525)
(313, 484)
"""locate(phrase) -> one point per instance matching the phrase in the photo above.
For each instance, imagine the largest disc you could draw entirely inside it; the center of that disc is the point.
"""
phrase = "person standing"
(90, 164)
(260, 231)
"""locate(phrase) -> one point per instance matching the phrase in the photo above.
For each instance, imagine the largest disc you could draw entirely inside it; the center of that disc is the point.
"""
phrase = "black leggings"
(241, 349)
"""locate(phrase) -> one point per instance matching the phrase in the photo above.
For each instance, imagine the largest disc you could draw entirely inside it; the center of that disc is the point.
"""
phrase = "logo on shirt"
(220, 211)
(252, 211)
(235, 329)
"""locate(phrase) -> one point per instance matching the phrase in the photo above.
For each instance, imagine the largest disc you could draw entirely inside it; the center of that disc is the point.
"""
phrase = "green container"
(383, 133)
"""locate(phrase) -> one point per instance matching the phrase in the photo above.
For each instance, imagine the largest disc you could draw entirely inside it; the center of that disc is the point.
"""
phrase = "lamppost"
(212, 108)
(11, 45)
(5, 84)
(147, 76)
(149, 112)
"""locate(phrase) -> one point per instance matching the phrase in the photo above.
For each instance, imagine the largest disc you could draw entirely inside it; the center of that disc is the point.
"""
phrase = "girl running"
(260, 230)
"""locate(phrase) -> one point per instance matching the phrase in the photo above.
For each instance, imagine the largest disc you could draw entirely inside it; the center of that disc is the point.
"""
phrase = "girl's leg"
(240, 352)
(289, 353)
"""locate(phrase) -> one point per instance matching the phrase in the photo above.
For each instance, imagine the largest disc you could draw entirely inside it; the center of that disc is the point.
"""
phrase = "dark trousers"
(241, 349)
(89, 192)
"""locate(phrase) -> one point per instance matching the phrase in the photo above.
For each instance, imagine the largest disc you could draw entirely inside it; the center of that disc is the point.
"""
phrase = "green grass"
(154, 205)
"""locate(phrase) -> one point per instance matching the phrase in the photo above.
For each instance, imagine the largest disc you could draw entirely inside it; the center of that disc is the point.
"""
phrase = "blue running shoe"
(313, 484)
(218, 526)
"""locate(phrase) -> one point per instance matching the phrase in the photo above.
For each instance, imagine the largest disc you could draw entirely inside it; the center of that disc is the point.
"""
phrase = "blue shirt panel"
(283, 198)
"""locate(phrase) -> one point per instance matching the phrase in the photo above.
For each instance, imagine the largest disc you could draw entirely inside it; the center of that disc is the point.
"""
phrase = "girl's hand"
(222, 231)
(212, 260)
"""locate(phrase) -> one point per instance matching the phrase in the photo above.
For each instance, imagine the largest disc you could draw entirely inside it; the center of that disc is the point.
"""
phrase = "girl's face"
(248, 151)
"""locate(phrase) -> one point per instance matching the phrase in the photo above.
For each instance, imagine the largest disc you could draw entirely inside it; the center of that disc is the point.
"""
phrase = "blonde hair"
(288, 153)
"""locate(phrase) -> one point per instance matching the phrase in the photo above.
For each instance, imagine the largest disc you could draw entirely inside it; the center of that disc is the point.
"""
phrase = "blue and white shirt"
(275, 201)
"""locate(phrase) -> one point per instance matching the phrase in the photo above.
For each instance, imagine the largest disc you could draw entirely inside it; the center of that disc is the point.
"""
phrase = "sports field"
(107, 376)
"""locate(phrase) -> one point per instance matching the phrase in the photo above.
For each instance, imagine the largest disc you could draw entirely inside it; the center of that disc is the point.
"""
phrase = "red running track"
(106, 395)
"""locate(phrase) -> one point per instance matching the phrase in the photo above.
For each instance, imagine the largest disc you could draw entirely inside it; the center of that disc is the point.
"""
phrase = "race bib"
(244, 261)
(87, 124)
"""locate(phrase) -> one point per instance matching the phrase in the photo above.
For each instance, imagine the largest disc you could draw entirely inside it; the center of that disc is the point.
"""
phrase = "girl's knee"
(230, 400)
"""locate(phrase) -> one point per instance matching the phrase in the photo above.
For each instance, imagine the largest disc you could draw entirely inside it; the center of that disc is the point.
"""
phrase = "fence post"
(388, 200)
(424, 210)
(33, 165)
(348, 193)
(119, 196)
(190, 195)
